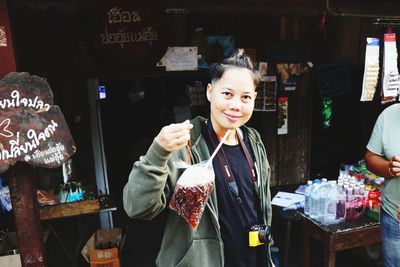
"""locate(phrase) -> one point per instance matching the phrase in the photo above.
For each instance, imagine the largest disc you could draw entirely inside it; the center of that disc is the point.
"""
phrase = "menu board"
(32, 128)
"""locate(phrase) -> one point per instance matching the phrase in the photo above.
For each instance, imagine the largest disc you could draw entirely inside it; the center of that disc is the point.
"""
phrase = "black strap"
(214, 141)
(249, 158)
(229, 177)
(223, 161)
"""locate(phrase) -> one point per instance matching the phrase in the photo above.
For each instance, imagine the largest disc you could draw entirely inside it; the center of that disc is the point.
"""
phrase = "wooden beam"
(265, 7)
(371, 9)
(252, 8)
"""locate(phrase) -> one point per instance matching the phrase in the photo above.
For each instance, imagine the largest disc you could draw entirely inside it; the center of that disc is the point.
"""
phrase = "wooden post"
(7, 58)
(27, 219)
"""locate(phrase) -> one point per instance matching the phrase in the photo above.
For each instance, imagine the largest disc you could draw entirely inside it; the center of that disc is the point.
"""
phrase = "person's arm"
(145, 193)
(381, 166)
(148, 190)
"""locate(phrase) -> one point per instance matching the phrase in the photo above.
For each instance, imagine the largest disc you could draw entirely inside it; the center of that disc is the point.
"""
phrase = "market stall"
(151, 62)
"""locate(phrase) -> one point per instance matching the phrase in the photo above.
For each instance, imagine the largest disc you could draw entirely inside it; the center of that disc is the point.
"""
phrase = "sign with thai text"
(32, 128)
(128, 31)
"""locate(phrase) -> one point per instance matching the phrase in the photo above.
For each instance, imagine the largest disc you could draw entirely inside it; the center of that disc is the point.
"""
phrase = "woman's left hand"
(394, 166)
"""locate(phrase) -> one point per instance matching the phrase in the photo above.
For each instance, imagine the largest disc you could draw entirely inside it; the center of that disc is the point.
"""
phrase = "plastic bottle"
(307, 197)
(341, 204)
(323, 201)
(331, 205)
(314, 199)
(350, 210)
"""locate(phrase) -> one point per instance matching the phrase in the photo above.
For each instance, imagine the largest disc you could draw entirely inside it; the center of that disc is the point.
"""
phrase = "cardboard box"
(106, 256)
(107, 238)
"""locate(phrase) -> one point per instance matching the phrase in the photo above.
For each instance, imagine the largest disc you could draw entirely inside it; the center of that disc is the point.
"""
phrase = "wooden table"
(71, 209)
(79, 210)
(362, 232)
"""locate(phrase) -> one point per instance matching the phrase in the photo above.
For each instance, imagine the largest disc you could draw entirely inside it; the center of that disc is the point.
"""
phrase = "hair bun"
(237, 59)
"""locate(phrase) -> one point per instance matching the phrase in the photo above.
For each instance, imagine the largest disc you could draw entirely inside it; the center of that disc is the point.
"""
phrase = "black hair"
(238, 59)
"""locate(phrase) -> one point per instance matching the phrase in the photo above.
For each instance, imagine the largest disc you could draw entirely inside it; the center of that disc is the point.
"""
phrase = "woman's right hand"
(174, 136)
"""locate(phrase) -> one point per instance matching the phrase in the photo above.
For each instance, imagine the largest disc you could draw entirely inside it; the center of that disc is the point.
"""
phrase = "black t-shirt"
(234, 220)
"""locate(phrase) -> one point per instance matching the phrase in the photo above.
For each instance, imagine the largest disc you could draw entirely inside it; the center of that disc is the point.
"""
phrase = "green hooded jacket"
(150, 186)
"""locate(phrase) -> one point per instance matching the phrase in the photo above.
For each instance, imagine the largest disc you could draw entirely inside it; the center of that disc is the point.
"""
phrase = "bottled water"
(324, 198)
(331, 206)
(323, 201)
(307, 197)
(314, 199)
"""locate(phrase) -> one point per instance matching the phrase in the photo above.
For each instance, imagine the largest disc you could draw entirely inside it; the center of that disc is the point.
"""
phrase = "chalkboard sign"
(129, 31)
(32, 129)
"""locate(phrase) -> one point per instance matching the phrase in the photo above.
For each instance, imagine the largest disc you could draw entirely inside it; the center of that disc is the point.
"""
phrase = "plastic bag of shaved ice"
(192, 191)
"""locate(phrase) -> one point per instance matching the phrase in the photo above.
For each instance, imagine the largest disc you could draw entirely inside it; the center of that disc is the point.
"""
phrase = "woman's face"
(232, 99)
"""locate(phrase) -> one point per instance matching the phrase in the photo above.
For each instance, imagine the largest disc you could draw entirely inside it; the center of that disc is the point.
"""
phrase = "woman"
(382, 158)
(221, 238)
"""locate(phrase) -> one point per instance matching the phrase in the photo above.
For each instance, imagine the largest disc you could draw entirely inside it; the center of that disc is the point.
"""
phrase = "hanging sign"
(390, 73)
(371, 69)
(126, 30)
(32, 128)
